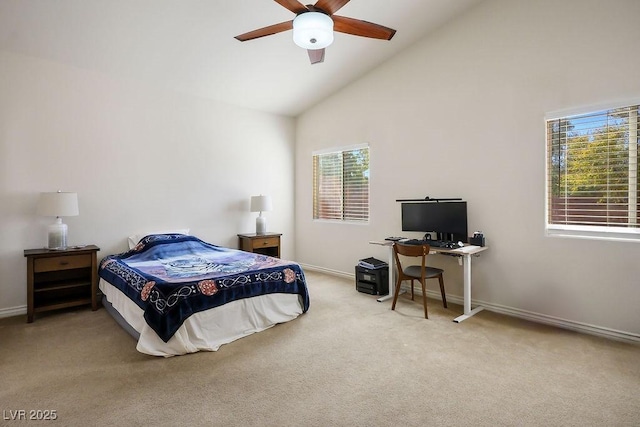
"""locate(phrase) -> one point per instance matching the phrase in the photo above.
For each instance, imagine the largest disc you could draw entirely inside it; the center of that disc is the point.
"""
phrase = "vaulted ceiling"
(189, 46)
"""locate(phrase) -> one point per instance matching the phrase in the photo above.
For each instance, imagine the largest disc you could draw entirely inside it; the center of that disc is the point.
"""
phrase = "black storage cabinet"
(372, 281)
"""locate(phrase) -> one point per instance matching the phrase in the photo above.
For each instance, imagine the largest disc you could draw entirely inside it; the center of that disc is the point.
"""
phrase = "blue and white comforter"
(172, 276)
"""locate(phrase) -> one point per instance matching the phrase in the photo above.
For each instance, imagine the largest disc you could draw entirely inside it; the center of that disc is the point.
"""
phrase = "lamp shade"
(261, 203)
(313, 30)
(58, 204)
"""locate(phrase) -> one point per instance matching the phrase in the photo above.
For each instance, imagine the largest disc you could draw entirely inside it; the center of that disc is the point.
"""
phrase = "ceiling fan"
(313, 26)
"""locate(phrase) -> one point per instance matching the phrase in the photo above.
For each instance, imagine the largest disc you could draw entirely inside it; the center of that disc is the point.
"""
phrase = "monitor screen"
(447, 219)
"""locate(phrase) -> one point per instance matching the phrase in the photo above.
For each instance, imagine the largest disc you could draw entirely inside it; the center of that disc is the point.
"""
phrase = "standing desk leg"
(392, 283)
(466, 265)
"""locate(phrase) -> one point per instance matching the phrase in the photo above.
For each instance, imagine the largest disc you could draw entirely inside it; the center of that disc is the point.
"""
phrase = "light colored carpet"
(349, 361)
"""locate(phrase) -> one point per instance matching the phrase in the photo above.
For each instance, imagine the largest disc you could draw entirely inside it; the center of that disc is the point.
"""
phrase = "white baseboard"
(342, 274)
(561, 323)
(514, 312)
(13, 311)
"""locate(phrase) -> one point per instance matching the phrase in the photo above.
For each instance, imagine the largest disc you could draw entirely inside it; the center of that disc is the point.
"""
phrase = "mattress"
(206, 330)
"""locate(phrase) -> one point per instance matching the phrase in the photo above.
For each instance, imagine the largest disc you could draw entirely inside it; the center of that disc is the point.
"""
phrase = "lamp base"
(261, 224)
(57, 235)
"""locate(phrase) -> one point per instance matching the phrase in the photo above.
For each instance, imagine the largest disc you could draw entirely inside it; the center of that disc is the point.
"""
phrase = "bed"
(177, 294)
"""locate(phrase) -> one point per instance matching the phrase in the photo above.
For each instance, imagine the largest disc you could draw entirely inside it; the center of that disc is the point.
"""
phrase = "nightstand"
(265, 244)
(61, 278)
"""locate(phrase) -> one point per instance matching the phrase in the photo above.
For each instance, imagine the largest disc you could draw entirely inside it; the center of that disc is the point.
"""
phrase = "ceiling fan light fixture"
(313, 30)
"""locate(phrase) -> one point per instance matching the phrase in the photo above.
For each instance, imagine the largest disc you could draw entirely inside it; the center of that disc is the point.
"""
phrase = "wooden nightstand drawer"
(266, 242)
(61, 263)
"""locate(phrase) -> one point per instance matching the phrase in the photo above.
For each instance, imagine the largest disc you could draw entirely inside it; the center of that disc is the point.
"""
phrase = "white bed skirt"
(206, 330)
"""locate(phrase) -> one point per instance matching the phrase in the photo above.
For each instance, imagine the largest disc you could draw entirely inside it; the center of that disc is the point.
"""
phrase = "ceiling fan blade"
(316, 55)
(293, 5)
(358, 27)
(330, 6)
(266, 31)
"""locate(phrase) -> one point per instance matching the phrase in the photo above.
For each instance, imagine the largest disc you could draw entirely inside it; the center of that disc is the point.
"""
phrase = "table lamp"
(259, 204)
(58, 204)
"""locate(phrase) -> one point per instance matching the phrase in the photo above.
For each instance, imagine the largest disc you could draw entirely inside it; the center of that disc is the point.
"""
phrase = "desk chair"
(416, 272)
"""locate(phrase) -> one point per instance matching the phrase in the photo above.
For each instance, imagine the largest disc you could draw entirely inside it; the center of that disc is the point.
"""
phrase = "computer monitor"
(447, 219)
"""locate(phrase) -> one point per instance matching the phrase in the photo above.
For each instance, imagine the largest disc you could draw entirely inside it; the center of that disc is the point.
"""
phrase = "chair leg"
(444, 297)
(424, 298)
(411, 289)
(396, 293)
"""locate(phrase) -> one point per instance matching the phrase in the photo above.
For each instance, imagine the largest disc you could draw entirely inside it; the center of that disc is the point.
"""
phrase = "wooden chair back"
(410, 251)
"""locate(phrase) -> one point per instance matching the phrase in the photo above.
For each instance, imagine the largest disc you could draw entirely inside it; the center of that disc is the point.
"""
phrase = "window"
(592, 174)
(341, 184)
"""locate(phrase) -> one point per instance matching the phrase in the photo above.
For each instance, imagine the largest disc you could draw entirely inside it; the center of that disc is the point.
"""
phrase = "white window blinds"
(592, 170)
(341, 185)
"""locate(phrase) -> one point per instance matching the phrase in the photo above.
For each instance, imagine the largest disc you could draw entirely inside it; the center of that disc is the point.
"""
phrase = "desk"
(465, 252)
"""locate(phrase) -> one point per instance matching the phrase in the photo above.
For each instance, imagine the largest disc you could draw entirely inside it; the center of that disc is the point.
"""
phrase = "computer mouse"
(460, 244)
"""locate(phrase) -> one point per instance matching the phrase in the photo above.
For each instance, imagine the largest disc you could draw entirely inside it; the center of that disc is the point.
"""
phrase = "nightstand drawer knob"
(64, 262)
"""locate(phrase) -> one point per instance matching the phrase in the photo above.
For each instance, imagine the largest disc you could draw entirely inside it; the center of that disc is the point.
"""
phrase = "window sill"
(594, 233)
(339, 221)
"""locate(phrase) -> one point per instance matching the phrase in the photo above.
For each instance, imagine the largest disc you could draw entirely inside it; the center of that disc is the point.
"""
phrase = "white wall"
(139, 158)
(461, 114)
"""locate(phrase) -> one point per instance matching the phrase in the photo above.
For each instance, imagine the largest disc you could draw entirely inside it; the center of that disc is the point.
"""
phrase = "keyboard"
(433, 243)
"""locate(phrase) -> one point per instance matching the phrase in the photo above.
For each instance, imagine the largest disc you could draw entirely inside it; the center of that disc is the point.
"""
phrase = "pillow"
(135, 238)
